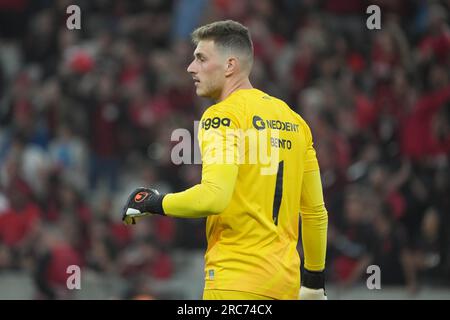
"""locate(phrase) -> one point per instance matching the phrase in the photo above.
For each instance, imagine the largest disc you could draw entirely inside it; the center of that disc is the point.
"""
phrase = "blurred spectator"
(19, 223)
(431, 254)
(69, 156)
(392, 254)
(53, 258)
(104, 135)
(354, 241)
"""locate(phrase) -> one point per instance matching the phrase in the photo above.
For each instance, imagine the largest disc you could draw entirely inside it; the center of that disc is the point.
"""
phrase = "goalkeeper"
(252, 207)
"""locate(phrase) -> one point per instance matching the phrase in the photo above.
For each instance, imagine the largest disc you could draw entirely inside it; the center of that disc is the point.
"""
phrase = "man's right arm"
(211, 196)
(218, 140)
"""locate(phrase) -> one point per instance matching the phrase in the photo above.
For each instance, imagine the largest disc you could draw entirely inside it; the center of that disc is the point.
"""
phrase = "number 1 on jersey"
(278, 193)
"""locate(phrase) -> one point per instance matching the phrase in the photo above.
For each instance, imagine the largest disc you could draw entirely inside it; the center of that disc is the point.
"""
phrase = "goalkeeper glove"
(313, 286)
(142, 202)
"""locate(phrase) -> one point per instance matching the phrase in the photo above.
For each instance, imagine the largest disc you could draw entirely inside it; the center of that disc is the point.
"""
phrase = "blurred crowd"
(87, 115)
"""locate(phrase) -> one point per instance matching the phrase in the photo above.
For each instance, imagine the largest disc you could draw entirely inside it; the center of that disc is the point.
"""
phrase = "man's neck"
(233, 86)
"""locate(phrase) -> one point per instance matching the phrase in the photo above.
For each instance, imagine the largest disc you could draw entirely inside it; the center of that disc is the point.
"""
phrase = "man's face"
(208, 70)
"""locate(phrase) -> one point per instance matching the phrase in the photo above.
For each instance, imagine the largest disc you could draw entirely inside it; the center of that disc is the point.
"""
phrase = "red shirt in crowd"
(417, 138)
(15, 225)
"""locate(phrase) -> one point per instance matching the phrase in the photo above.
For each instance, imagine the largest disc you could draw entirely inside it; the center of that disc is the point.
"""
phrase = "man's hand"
(313, 286)
(140, 203)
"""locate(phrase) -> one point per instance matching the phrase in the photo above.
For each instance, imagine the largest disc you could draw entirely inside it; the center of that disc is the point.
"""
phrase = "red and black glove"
(142, 202)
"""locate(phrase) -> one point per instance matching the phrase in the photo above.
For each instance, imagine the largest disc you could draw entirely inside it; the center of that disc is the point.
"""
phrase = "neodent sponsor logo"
(261, 124)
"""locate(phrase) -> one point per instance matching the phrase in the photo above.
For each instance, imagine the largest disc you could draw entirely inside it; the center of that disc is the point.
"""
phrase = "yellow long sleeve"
(314, 222)
(209, 197)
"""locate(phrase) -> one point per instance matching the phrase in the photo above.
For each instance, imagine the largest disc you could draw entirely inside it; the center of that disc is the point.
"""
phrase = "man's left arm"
(314, 227)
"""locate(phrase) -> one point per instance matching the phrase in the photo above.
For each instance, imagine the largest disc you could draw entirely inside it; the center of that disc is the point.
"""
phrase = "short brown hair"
(226, 34)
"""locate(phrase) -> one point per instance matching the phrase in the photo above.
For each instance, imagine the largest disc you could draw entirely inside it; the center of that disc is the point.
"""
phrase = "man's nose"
(190, 68)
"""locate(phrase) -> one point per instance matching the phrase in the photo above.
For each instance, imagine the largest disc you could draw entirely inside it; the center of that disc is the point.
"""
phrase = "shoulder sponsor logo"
(215, 123)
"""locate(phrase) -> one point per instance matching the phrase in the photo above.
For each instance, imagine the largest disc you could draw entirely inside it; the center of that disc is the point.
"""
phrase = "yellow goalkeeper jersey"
(259, 172)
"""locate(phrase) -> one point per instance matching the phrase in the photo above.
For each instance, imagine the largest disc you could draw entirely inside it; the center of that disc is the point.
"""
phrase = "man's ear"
(231, 66)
